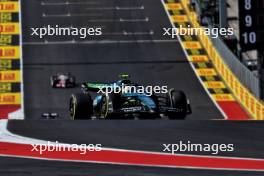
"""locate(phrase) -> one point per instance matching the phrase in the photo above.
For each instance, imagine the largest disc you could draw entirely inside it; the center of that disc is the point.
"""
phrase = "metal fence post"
(223, 13)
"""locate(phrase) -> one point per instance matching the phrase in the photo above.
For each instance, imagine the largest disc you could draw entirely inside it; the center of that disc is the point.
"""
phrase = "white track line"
(191, 64)
(68, 15)
(98, 42)
(139, 33)
(68, 3)
(120, 20)
(134, 20)
(116, 8)
(44, 15)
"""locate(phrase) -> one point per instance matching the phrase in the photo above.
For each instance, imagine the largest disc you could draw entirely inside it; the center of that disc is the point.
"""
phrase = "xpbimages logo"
(65, 31)
(191, 31)
(133, 89)
(191, 147)
(57, 147)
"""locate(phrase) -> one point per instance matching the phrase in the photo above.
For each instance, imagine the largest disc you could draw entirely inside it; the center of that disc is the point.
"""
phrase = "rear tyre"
(72, 81)
(178, 100)
(81, 106)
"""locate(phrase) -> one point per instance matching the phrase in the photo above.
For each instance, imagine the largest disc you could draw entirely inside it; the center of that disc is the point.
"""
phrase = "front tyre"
(81, 106)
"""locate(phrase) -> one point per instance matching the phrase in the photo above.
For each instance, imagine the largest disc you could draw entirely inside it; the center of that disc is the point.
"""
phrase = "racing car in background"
(122, 105)
(62, 80)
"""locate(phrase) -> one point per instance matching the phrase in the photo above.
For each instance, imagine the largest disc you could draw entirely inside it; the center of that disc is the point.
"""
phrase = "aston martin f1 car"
(62, 80)
(126, 104)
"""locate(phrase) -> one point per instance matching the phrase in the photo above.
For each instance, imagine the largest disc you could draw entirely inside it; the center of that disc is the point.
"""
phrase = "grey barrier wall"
(246, 77)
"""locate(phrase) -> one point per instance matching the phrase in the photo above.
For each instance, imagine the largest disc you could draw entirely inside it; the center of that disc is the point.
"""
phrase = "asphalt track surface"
(247, 138)
(143, 52)
(148, 63)
(25, 167)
